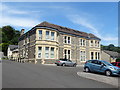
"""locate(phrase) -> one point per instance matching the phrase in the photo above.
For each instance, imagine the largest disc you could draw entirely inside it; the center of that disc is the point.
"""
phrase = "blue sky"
(99, 18)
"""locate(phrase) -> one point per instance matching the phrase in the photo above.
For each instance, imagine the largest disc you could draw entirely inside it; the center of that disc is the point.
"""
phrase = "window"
(65, 39)
(98, 44)
(69, 40)
(68, 54)
(46, 52)
(40, 34)
(91, 43)
(81, 42)
(47, 35)
(52, 35)
(96, 57)
(39, 52)
(91, 55)
(82, 56)
(65, 54)
(52, 52)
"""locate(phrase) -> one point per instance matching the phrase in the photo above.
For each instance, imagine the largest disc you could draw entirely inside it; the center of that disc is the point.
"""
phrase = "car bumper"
(116, 72)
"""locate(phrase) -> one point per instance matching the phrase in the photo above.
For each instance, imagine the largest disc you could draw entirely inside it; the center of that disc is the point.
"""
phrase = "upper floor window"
(91, 43)
(98, 44)
(52, 35)
(40, 34)
(47, 35)
(82, 42)
(67, 40)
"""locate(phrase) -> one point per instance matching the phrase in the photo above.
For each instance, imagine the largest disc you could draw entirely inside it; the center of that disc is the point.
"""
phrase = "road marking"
(100, 78)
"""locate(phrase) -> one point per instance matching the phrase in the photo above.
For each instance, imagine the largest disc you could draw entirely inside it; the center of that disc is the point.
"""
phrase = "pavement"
(101, 78)
(28, 75)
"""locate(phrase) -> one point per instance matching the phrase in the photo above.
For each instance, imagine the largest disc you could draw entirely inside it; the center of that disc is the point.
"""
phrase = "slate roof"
(60, 29)
(66, 30)
(12, 47)
(111, 53)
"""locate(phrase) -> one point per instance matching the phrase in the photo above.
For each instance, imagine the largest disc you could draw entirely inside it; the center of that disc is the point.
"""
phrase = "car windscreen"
(107, 63)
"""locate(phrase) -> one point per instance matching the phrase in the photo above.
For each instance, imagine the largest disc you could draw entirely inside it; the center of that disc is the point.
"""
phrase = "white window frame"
(40, 35)
(47, 52)
(52, 52)
(82, 55)
(47, 36)
(39, 52)
(52, 37)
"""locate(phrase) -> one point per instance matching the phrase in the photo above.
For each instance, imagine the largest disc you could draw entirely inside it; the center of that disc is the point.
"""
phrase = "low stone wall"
(49, 61)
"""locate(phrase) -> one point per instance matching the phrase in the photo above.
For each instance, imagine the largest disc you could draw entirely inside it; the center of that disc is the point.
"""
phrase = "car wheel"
(74, 65)
(57, 64)
(63, 64)
(108, 73)
(87, 69)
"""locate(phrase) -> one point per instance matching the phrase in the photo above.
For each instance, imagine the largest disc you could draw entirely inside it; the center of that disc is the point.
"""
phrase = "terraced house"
(47, 42)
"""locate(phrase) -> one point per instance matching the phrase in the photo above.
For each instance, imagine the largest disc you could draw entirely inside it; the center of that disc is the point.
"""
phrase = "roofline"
(44, 27)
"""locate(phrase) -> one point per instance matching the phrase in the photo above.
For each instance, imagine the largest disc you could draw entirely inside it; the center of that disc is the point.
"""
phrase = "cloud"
(15, 21)
(84, 21)
(14, 17)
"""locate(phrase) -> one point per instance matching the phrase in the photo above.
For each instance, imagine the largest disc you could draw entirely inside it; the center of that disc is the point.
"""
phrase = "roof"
(61, 29)
(111, 53)
(66, 30)
(12, 47)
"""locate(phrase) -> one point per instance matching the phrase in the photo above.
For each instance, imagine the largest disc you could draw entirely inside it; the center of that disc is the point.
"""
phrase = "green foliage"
(9, 37)
(118, 60)
(111, 47)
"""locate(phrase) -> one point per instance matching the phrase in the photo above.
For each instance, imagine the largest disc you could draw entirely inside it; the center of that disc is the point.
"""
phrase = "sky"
(98, 18)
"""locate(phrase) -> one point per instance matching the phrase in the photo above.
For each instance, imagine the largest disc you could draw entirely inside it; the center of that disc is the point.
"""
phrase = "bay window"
(52, 52)
(40, 34)
(39, 52)
(46, 52)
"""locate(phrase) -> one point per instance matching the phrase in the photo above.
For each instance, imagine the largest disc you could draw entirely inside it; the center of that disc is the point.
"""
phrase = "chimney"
(22, 32)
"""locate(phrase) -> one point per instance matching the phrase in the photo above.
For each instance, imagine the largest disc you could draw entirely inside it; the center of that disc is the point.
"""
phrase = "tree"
(9, 37)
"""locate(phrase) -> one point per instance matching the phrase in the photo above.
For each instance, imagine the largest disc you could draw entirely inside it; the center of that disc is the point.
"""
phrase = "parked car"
(117, 64)
(65, 62)
(102, 67)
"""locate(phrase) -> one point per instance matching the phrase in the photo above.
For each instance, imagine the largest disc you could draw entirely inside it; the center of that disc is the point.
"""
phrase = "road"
(28, 75)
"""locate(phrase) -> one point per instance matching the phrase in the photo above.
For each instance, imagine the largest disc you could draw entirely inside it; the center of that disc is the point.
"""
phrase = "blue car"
(101, 66)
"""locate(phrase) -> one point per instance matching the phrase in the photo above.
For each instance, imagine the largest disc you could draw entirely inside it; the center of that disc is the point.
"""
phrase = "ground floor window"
(82, 56)
(39, 52)
(46, 52)
(52, 52)
(95, 55)
(67, 54)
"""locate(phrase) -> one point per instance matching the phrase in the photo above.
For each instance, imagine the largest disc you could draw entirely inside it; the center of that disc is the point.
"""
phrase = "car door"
(69, 62)
(93, 65)
(100, 67)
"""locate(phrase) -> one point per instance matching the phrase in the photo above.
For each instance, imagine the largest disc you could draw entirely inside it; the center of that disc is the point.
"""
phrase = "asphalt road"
(27, 75)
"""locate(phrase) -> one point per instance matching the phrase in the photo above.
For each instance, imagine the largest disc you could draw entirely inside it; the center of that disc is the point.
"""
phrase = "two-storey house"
(47, 42)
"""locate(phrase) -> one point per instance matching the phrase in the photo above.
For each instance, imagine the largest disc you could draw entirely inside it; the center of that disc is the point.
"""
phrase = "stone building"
(12, 52)
(109, 56)
(47, 42)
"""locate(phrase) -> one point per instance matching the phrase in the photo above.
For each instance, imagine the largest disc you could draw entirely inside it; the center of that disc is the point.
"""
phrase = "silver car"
(65, 62)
